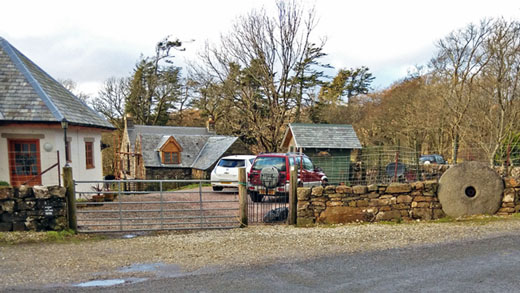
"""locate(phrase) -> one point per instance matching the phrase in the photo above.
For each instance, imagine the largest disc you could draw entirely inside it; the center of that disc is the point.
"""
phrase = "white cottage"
(34, 110)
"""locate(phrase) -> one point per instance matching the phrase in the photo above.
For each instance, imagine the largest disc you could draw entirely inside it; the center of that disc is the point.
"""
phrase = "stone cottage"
(173, 152)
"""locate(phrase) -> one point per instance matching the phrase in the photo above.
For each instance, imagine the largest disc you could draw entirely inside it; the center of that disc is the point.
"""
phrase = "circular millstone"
(470, 188)
(269, 177)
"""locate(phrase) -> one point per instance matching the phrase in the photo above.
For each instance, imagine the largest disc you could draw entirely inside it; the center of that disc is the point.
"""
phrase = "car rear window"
(262, 162)
(230, 163)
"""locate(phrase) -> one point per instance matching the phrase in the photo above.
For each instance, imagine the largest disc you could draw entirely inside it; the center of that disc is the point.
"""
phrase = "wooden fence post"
(293, 196)
(242, 196)
(68, 182)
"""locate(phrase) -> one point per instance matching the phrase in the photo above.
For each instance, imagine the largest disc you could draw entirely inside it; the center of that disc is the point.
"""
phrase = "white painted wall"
(54, 137)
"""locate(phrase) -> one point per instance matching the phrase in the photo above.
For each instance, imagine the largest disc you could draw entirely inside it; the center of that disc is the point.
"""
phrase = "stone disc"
(470, 188)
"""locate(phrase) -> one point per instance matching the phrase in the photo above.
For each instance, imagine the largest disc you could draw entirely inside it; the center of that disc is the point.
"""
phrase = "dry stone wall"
(510, 201)
(378, 202)
(38, 208)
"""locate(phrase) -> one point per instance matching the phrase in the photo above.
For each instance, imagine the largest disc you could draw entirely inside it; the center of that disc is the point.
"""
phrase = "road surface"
(488, 265)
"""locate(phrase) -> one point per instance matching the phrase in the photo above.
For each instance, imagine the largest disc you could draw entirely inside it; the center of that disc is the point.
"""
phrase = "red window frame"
(89, 154)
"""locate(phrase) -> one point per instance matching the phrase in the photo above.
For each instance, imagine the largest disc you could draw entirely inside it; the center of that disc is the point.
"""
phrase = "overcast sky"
(90, 41)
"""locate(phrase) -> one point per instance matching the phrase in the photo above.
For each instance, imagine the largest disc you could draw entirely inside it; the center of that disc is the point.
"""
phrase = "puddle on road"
(159, 269)
(107, 283)
(101, 283)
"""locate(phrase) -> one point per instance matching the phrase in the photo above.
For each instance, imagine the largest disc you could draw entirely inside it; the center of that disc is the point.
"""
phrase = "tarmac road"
(488, 265)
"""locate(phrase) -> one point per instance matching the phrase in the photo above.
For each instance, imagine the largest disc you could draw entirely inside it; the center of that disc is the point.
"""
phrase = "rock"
(404, 199)
(398, 188)
(423, 198)
(336, 196)
(388, 215)
(343, 189)
(423, 214)
(317, 191)
(421, 204)
(470, 188)
(506, 210)
(5, 227)
(362, 203)
(359, 189)
(511, 182)
(431, 185)
(6, 193)
(24, 191)
(329, 189)
(337, 215)
(57, 191)
(19, 226)
(41, 191)
(7, 206)
(418, 185)
(276, 215)
(304, 193)
(509, 197)
(400, 206)
(304, 221)
(334, 203)
(372, 187)
(26, 205)
(383, 202)
(30, 223)
(438, 213)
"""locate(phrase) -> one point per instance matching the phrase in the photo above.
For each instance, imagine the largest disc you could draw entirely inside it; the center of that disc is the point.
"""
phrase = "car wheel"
(217, 188)
(255, 197)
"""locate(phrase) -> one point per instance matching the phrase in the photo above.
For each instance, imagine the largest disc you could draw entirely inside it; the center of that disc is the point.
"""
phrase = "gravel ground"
(49, 264)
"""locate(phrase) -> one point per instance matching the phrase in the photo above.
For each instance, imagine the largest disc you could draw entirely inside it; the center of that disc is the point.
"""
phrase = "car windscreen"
(230, 163)
(262, 162)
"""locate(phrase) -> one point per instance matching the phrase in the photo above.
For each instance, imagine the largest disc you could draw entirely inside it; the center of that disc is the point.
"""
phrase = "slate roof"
(29, 94)
(200, 148)
(324, 136)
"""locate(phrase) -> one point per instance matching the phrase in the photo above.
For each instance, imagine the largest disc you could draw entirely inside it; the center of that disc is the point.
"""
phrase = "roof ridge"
(12, 53)
(199, 154)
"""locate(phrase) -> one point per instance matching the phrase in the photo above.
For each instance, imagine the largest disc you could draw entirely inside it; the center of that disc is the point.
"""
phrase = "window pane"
(229, 163)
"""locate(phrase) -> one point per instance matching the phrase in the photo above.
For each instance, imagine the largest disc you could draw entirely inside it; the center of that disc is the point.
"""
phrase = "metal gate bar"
(141, 206)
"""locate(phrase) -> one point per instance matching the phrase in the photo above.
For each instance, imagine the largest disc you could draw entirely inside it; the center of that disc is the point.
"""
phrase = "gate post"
(242, 196)
(293, 196)
(68, 182)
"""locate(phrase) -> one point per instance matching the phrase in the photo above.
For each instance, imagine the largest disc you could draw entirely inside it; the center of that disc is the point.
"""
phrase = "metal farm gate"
(154, 205)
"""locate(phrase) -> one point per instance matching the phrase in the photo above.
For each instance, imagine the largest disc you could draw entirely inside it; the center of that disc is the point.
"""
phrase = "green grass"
(3, 183)
(28, 237)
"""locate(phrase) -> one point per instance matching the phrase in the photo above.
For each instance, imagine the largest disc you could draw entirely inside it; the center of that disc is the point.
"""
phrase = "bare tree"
(254, 70)
(497, 106)
(111, 100)
(460, 59)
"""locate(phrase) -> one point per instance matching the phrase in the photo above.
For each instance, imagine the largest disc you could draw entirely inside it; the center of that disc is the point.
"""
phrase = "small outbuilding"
(328, 145)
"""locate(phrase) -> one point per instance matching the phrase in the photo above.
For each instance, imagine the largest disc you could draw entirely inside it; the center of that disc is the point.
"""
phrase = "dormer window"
(171, 158)
(170, 151)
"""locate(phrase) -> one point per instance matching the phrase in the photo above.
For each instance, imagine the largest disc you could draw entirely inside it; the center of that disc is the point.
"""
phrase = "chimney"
(210, 125)
(129, 121)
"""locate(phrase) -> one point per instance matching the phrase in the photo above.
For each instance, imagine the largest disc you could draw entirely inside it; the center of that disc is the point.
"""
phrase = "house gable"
(171, 145)
(170, 152)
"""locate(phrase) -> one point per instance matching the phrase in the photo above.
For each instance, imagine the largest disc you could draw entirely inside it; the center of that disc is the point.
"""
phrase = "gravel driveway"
(50, 264)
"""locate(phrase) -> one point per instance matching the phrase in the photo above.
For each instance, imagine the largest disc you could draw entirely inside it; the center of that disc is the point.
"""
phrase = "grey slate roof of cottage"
(324, 136)
(29, 94)
(200, 148)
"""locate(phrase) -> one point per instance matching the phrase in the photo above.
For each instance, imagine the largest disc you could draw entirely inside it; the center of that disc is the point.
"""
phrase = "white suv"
(225, 173)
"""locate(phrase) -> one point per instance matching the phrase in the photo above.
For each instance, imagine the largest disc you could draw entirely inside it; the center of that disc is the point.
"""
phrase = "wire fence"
(386, 164)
